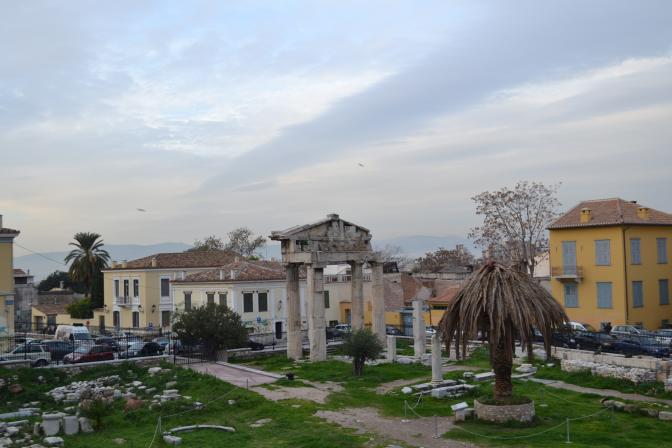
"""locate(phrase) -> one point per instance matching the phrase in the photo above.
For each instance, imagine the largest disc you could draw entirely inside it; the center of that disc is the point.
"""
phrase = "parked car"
(164, 342)
(343, 328)
(627, 330)
(332, 333)
(394, 331)
(430, 331)
(140, 349)
(112, 343)
(255, 345)
(36, 353)
(589, 340)
(89, 353)
(663, 335)
(58, 348)
(578, 326)
(77, 333)
(641, 346)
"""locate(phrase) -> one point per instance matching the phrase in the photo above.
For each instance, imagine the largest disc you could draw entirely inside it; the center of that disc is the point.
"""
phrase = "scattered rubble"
(634, 374)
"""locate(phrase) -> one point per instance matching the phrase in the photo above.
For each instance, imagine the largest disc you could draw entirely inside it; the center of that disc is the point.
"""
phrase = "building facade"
(609, 263)
(7, 278)
(25, 296)
(138, 294)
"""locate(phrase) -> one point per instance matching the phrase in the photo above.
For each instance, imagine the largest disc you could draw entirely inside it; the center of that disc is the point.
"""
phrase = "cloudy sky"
(213, 115)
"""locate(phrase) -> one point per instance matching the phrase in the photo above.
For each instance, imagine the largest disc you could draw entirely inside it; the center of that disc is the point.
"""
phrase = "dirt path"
(414, 432)
(602, 392)
(317, 392)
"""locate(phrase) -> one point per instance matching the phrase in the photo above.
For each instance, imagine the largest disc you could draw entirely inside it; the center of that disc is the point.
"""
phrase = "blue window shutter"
(635, 251)
(661, 245)
(637, 294)
(604, 295)
(602, 252)
(664, 292)
(571, 295)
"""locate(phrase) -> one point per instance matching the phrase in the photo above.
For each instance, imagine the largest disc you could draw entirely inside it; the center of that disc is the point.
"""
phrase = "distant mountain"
(42, 266)
(417, 245)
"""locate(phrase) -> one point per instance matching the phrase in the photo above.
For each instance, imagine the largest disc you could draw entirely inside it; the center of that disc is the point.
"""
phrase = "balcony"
(567, 273)
(343, 278)
(123, 301)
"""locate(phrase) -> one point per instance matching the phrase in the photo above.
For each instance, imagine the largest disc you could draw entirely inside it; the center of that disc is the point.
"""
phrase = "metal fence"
(643, 344)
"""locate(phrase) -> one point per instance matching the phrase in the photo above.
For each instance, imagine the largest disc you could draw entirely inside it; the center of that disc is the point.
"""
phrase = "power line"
(41, 255)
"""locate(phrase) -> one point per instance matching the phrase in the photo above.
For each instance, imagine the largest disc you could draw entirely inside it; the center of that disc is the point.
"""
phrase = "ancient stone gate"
(328, 241)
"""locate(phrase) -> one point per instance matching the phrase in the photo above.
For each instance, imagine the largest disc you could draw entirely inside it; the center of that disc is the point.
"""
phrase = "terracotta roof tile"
(609, 212)
(243, 271)
(51, 308)
(193, 259)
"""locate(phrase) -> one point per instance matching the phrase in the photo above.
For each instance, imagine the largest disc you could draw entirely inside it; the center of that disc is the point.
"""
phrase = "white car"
(343, 328)
(430, 331)
(628, 330)
(36, 353)
(578, 326)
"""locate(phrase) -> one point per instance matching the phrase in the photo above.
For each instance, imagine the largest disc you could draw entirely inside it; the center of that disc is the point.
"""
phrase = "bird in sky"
(141, 209)
(361, 164)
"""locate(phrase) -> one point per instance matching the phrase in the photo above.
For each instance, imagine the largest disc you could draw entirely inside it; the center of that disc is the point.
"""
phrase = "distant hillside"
(40, 267)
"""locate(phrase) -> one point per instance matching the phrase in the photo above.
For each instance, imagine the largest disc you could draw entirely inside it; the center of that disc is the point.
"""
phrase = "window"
(665, 323)
(571, 295)
(635, 252)
(165, 287)
(210, 297)
(664, 292)
(602, 252)
(604, 295)
(165, 318)
(262, 298)
(115, 318)
(637, 294)
(326, 300)
(187, 300)
(116, 288)
(126, 294)
(248, 305)
(222, 298)
(661, 245)
(136, 288)
(136, 319)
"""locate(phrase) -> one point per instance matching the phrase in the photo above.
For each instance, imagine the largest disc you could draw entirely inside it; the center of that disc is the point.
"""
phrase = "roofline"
(117, 269)
(617, 224)
(230, 281)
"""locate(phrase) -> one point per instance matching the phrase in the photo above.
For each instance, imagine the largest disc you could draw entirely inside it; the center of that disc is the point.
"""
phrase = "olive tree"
(361, 345)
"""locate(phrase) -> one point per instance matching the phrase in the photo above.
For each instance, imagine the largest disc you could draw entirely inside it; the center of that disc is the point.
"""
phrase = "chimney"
(586, 214)
(61, 284)
(154, 262)
(0, 221)
(233, 274)
(183, 274)
(124, 264)
(114, 264)
(644, 213)
(332, 216)
(221, 274)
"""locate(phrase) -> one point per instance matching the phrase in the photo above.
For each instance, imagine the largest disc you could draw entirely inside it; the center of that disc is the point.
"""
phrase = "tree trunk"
(530, 351)
(501, 364)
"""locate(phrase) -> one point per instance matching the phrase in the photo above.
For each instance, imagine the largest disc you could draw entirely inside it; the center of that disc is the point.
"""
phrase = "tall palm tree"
(88, 259)
(501, 303)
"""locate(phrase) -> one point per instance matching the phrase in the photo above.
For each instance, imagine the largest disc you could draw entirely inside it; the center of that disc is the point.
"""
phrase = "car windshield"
(589, 327)
(136, 346)
(82, 336)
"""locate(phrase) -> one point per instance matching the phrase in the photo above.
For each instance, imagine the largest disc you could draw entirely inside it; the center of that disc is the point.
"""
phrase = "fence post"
(568, 441)
(436, 427)
(405, 405)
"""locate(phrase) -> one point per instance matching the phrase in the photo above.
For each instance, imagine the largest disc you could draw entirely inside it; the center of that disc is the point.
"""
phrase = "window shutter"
(604, 295)
(661, 245)
(635, 251)
(571, 295)
(637, 294)
(664, 292)
(602, 252)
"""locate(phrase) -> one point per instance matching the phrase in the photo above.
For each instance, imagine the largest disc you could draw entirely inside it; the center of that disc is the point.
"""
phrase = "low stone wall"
(501, 414)
(150, 361)
(634, 374)
(660, 368)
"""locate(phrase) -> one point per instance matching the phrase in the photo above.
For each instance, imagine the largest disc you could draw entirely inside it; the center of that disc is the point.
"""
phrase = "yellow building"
(49, 315)
(609, 263)
(138, 294)
(7, 279)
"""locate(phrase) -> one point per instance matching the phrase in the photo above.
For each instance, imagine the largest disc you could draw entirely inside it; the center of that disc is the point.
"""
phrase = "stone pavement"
(237, 375)
(602, 392)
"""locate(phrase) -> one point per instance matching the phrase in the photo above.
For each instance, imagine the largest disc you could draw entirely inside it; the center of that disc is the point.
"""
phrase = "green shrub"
(361, 345)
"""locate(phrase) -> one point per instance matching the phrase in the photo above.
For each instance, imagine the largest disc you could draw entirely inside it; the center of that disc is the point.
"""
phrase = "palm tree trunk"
(530, 351)
(501, 364)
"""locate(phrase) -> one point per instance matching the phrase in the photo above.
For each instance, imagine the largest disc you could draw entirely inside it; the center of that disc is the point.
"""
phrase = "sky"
(215, 115)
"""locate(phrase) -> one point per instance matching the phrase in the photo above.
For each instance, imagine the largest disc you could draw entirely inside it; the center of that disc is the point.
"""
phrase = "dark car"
(89, 353)
(255, 345)
(58, 348)
(641, 346)
(333, 333)
(164, 342)
(110, 342)
(588, 340)
(394, 331)
(140, 349)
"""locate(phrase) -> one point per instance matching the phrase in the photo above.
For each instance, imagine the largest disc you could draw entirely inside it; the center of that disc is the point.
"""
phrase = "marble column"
(357, 280)
(419, 335)
(378, 301)
(391, 348)
(294, 344)
(317, 335)
(437, 376)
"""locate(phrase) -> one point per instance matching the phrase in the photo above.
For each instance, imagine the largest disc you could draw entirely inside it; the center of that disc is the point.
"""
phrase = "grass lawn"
(290, 427)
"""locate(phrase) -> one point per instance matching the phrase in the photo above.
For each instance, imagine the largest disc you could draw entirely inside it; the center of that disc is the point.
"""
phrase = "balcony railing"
(343, 278)
(567, 272)
(123, 301)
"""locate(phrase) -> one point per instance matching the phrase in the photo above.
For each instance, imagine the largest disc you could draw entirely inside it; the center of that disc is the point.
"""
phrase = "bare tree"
(211, 242)
(444, 258)
(390, 253)
(515, 222)
(243, 241)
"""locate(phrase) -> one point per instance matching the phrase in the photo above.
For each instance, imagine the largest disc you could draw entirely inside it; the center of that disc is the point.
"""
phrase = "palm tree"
(501, 303)
(88, 259)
